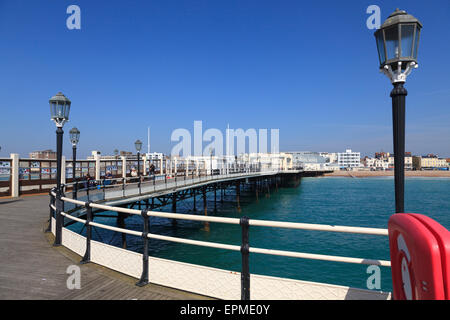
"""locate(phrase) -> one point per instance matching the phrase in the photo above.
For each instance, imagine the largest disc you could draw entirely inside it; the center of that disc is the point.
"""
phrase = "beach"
(425, 173)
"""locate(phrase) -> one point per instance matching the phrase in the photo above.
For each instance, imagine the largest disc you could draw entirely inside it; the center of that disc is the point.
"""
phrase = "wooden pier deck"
(32, 269)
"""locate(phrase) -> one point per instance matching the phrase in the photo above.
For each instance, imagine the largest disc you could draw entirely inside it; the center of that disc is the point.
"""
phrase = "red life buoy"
(418, 257)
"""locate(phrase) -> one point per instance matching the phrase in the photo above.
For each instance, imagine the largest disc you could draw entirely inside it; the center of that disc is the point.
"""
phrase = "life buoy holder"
(420, 257)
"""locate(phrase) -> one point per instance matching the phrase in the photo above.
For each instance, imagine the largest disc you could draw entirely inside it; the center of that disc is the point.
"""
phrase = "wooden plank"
(31, 268)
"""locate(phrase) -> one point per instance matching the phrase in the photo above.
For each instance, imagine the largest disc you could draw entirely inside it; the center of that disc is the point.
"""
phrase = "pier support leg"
(205, 208)
(238, 195)
(195, 201)
(215, 199)
(174, 208)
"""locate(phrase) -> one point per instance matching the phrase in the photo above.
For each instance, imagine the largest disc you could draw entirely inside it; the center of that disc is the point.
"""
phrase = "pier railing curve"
(245, 249)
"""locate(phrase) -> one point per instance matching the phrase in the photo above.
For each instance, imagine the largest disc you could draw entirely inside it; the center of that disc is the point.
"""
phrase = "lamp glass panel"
(416, 42)
(59, 111)
(407, 32)
(380, 46)
(392, 43)
(52, 110)
(66, 111)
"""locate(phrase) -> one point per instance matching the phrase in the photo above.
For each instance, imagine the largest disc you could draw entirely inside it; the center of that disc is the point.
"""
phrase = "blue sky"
(309, 69)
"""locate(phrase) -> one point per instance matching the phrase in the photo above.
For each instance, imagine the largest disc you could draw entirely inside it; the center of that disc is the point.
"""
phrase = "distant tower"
(148, 140)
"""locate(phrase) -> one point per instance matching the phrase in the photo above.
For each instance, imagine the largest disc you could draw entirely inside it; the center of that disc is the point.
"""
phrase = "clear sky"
(307, 68)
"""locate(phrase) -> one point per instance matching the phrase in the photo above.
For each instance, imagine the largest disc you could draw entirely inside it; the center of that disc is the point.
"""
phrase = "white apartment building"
(349, 159)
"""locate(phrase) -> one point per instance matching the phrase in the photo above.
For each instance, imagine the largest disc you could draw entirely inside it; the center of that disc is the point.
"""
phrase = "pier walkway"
(31, 268)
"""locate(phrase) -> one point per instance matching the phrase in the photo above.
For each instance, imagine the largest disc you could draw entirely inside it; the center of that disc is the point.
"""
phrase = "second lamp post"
(74, 134)
(138, 145)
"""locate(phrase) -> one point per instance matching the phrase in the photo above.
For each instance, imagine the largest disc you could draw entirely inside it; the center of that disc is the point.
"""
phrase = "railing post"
(87, 190)
(75, 187)
(52, 212)
(104, 188)
(59, 219)
(245, 251)
(144, 277)
(87, 254)
(123, 187)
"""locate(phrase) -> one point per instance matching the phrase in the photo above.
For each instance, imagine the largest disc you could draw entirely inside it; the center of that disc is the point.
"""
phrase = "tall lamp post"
(138, 145)
(74, 138)
(59, 112)
(397, 43)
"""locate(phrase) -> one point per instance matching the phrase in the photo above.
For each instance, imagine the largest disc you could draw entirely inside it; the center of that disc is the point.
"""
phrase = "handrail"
(210, 244)
(144, 182)
(149, 178)
(252, 222)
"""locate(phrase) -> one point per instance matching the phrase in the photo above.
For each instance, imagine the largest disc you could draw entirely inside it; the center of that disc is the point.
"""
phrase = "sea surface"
(363, 202)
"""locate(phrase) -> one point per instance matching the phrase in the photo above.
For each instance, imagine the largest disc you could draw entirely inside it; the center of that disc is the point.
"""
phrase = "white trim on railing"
(284, 253)
(252, 222)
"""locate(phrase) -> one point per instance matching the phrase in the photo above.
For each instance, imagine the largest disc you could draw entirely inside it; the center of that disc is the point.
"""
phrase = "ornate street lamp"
(74, 134)
(59, 112)
(397, 43)
(138, 145)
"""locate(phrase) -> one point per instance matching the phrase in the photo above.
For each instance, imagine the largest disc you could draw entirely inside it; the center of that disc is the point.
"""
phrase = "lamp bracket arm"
(398, 75)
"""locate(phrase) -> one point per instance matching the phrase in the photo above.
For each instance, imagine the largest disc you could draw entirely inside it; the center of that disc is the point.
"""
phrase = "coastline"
(358, 174)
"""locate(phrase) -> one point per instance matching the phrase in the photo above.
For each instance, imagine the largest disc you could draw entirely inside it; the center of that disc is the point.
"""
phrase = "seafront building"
(429, 162)
(386, 161)
(375, 163)
(45, 154)
(349, 159)
(315, 161)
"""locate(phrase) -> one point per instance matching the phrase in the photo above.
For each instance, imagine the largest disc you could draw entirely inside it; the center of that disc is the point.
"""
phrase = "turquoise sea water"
(364, 202)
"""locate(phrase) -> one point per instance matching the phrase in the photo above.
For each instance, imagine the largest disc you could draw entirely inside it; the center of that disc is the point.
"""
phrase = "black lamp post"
(59, 111)
(138, 145)
(397, 43)
(74, 138)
